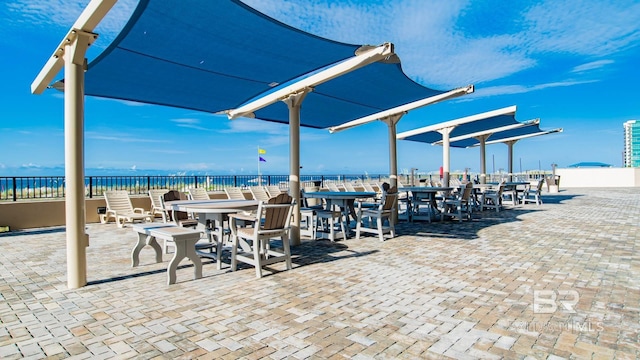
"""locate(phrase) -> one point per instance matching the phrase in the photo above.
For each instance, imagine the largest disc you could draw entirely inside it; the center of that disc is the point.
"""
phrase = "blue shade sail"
(466, 129)
(216, 55)
(205, 55)
(521, 132)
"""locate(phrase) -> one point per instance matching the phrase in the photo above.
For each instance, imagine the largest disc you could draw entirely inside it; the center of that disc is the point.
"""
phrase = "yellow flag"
(262, 151)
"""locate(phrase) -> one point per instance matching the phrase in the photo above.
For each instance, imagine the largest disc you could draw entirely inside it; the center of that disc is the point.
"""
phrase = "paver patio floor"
(440, 290)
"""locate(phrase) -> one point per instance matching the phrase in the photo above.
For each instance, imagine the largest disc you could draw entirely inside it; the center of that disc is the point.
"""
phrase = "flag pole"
(259, 175)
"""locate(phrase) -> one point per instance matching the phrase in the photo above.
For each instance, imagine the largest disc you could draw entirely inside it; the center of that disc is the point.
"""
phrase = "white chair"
(384, 211)
(492, 199)
(532, 193)
(333, 187)
(198, 194)
(273, 190)
(348, 186)
(252, 245)
(259, 193)
(457, 205)
(156, 206)
(120, 209)
(327, 219)
(234, 193)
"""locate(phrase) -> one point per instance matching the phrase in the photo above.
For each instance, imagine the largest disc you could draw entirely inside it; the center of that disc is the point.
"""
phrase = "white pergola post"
(77, 239)
(294, 103)
(483, 158)
(71, 54)
(391, 122)
(446, 152)
(510, 157)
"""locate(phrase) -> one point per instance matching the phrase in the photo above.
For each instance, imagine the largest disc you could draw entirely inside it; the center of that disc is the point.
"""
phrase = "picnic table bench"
(185, 242)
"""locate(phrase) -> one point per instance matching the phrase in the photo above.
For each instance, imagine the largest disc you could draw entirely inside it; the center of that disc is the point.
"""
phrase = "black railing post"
(321, 180)
(90, 187)
(148, 183)
(235, 180)
(195, 180)
(15, 188)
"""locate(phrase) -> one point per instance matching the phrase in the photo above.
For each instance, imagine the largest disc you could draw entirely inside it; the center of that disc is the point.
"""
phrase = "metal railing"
(15, 188)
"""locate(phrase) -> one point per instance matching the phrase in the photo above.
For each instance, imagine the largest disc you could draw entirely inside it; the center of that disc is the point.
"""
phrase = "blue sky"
(573, 64)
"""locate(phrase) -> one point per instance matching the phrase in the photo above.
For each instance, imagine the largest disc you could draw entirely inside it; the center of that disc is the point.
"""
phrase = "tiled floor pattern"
(440, 290)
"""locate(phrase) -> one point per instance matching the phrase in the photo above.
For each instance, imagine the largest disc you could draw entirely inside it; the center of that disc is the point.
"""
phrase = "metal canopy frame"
(392, 116)
(510, 141)
(445, 129)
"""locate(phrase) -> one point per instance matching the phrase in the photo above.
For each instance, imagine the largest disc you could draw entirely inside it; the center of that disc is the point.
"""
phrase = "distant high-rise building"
(632, 143)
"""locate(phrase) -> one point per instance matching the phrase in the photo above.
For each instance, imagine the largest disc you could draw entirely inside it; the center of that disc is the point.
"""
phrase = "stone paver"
(440, 290)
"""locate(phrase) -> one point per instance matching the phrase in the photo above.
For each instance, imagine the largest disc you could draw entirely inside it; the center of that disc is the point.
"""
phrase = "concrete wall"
(598, 177)
(43, 213)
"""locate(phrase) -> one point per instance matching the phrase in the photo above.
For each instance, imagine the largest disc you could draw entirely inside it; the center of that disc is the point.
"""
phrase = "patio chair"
(459, 204)
(253, 245)
(259, 193)
(119, 208)
(179, 217)
(156, 206)
(234, 193)
(198, 194)
(492, 199)
(273, 190)
(384, 211)
(327, 219)
(532, 193)
(333, 187)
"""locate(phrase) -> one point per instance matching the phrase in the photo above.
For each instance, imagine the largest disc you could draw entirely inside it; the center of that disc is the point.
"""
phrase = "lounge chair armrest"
(138, 210)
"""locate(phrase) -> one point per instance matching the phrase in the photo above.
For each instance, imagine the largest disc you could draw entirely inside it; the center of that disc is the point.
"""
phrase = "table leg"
(184, 248)
(143, 240)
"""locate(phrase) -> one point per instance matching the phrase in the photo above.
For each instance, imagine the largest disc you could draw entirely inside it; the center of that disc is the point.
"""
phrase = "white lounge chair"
(273, 190)
(234, 193)
(259, 193)
(198, 194)
(157, 208)
(120, 209)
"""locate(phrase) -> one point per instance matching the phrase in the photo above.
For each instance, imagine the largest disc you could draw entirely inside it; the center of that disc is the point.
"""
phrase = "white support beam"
(402, 109)
(523, 136)
(88, 20)
(294, 103)
(511, 110)
(489, 132)
(362, 59)
(446, 154)
(70, 54)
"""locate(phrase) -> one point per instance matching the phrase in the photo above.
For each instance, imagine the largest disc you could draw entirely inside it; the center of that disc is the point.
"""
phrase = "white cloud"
(520, 89)
(189, 123)
(64, 13)
(591, 66)
(246, 125)
(127, 138)
(30, 166)
(441, 46)
(596, 28)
